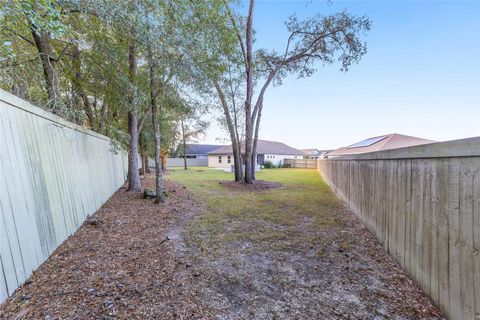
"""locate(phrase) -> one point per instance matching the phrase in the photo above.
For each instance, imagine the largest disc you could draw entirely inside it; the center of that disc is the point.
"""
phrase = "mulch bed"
(257, 185)
(125, 262)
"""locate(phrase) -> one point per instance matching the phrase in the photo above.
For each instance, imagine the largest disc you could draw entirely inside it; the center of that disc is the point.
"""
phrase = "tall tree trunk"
(159, 196)
(141, 147)
(133, 166)
(255, 141)
(133, 174)
(184, 146)
(50, 72)
(249, 94)
(147, 167)
(237, 161)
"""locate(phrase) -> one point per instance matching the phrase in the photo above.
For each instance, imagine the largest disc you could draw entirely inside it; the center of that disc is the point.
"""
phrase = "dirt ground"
(134, 260)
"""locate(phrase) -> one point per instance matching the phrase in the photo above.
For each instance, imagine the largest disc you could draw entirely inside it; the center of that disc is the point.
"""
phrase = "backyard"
(286, 249)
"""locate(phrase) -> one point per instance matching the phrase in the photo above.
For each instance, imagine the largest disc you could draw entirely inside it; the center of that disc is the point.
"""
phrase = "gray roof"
(199, 148)
(264, 147)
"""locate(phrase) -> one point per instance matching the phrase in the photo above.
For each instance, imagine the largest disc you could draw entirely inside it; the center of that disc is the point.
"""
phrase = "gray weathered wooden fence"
(191, 162)
(423, 204)
(53, 174)
(300, 163)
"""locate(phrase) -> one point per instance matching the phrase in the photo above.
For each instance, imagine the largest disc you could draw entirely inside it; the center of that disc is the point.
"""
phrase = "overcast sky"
(420, 76)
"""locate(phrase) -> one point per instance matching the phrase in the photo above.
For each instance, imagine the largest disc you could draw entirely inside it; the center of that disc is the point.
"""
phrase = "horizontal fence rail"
(423, 205)
(53, 174)
(300, 163)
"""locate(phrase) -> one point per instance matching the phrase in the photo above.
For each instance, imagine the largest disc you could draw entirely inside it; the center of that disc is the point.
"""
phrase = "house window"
(219, 159)
(229, 159)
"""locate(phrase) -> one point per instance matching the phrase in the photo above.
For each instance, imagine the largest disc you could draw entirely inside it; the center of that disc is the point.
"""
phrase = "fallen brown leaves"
(123, 263)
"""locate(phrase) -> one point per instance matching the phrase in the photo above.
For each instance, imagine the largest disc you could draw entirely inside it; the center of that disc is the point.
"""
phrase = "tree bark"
(50, 72)
(237, 161)
(184, 146)
(133, 167)
(133, 174)
(142, 156)
(159, 196)
(147, 167)
(255, 140)
(249, 94)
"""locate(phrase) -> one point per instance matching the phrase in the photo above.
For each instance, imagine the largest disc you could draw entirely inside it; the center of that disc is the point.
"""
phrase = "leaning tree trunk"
(255, 140)
(237, 161)
(133, 174)
(50, 72)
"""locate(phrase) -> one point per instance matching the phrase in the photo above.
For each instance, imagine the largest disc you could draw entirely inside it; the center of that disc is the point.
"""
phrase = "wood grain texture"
(426, 213)
(53, 174)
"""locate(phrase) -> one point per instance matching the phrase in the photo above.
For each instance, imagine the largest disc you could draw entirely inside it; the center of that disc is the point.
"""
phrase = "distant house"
(386, 142)
(196, 151)
(272, 151)
(314, 153)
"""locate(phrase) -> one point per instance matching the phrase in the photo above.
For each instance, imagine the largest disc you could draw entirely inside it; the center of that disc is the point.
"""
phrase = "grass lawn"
(267, 218)
(293, 252)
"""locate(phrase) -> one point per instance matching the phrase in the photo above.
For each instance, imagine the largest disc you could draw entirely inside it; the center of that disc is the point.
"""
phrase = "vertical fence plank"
(442, 213)
(466, 238)
(476, 235)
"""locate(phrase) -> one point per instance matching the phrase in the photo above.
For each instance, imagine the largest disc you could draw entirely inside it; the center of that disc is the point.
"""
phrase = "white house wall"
(277, 159)
(213, 161)
(53, 174)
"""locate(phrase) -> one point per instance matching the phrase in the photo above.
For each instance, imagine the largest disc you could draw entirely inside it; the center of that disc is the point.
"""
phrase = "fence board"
(300, 163)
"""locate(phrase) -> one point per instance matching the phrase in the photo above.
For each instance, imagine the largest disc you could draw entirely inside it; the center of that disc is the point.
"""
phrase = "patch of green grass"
(268, 217)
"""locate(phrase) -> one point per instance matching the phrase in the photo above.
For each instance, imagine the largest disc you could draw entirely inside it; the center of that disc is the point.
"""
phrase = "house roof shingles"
(264, 147)
(200, 148)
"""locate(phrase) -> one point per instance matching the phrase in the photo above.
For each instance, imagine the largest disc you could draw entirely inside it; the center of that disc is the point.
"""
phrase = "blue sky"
(420, 76)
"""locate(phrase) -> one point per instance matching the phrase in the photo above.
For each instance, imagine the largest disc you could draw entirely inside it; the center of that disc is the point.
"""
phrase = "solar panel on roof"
(367, 142)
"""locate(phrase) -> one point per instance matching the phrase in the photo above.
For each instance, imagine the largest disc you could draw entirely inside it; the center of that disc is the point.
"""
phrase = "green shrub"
(269, 165)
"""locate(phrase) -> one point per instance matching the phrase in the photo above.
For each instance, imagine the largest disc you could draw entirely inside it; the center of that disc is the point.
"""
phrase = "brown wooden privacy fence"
(300, 163)
(423, 204)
